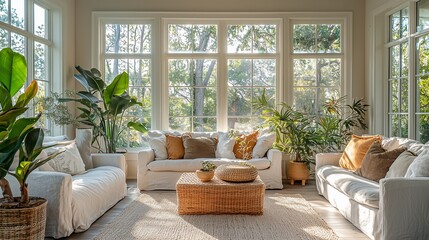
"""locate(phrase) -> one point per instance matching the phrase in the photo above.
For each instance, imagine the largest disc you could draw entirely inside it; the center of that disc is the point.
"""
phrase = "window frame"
(52, 41)
(284, 85)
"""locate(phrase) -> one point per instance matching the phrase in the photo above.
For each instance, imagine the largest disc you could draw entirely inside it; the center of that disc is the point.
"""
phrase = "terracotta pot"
(205, 176)
(297, 171)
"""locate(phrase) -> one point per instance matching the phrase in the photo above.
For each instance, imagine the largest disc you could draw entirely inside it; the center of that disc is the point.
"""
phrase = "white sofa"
(75, 202)
(163, 174)
(394, 208)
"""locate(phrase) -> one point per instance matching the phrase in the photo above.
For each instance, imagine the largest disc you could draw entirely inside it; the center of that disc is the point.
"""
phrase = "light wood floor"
(343, 228)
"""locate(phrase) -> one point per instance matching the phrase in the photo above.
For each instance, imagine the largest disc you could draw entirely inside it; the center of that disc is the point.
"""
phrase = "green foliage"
(53, 109)
(208, 166)
(303, 134)
(103, 107)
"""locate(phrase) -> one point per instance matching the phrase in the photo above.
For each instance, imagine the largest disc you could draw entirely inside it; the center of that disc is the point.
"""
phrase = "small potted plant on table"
(206, 173)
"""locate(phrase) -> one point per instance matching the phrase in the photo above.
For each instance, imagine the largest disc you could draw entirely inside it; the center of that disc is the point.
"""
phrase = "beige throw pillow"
(400, 165)
(377, 162)
(201, 147)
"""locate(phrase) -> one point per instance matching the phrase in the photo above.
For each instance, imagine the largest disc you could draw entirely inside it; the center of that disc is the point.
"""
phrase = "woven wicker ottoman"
(219, 197)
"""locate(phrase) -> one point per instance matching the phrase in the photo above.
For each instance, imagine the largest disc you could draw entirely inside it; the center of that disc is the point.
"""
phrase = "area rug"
(154, 216)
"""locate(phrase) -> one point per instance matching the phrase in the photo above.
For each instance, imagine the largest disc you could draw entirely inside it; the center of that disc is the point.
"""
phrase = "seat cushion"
(95, 192)
(190, 165)
(360, 189)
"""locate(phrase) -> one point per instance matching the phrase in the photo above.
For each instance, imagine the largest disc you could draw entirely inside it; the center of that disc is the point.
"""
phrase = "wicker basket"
(236, 173)
(23, 223)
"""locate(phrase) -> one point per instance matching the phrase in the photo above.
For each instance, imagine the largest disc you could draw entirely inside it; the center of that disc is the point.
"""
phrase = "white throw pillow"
(225, 146)
(418, 148)
(420, 166)
(84, 145)
(159, 146)
(400, 165)
(69, 161)
(390, 143)
(263, 144)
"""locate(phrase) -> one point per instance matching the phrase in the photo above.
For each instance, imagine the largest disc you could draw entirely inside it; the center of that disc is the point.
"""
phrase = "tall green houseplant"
(103, 107)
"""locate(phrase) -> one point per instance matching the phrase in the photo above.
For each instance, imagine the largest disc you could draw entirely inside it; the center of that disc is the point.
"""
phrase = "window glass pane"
(304, 38)
(404, 60)
(423, 128)
(394, 61)
(324, 94)
(180, 101)
(192, 72)
(404, 22)
(4, 11)
(404, 95)
(186, 38)
(239, 38)
(4, 36)
(422, 95)
(239, 72)
(183, 124)
(128, 38)
(264, 38)
(243, 123)
(423, 55)
(40, 61)
(395, 26)
(40, 23)
(204, 124)
(113, 67)
(328, 38)
(239, 101)
(252, 38)
(270, 93)
(264, 72)
(394, 96)
(139, 71)
(18, 43)
(423, 14)
(330, 72)
(398, 125)
(304, 99)
(304, 72)
(18, 13)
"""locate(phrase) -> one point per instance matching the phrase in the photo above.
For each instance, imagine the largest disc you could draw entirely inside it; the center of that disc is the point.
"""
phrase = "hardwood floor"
(343, 228)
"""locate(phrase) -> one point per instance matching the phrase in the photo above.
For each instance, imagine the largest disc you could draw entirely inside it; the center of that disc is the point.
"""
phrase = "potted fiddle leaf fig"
(23, 216)
(103, 107)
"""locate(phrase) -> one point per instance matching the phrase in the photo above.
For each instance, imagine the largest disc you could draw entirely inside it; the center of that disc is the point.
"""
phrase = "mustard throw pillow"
(175, 148)
(355, 151)
(244, 144)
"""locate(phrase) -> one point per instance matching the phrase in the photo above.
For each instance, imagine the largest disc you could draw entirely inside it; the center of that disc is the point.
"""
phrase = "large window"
(317, 71)
(197, 84)
(408, 81)
(34, 43)
(128, 47)
(202, 72)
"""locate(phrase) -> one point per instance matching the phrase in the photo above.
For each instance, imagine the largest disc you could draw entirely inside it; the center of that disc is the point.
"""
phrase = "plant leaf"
(21, 170)
(13, 70)
(117, 87)
(140, 127)
(5, 98)
(88, 96)
(22, 125)
(82, 81)
(33, 141)
(29, 94)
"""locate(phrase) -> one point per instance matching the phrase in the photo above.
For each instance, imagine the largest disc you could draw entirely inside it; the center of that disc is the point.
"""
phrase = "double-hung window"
(127, 46)
(26, 27)
(317, 57)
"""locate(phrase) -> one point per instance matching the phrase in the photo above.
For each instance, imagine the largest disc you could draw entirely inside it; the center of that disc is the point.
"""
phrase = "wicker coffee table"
(219, 197)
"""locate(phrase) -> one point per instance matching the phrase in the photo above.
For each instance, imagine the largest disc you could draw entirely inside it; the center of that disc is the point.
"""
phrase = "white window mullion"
(222, 84)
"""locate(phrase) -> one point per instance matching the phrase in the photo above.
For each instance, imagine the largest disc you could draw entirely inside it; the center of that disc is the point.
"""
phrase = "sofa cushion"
(400, 165)
(225, 146)
(377, 162)
(244, 144)
(95, 192)
(360, 189)
(199, 147)
(190, 165)
(263, 144)
(355, 151)
(175, 148)
(420, 166)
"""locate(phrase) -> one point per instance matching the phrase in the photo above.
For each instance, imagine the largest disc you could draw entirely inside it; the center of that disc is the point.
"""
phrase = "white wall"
(66, 46)
(84, 9)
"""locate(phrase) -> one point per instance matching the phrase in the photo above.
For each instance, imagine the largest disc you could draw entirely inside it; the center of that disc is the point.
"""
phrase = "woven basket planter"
(23, 223)
(236, 173)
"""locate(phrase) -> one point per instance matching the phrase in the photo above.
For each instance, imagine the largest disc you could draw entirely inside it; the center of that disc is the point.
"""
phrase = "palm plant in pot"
(103, 107)
(23, 217)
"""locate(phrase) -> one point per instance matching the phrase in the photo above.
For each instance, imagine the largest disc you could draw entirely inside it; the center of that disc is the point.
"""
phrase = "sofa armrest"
(145, 157)
(323, 159)
(55, 187)
(109, 159)
(404, 208)
(274, 155)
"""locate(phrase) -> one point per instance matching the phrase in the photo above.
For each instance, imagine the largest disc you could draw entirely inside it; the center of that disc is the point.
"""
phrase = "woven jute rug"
(154, 216)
